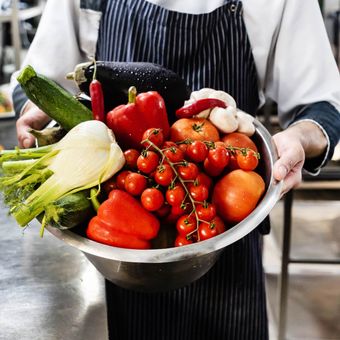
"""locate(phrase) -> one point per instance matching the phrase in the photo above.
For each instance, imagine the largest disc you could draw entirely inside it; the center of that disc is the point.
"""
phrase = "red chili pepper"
(143, 111)
(198, 106)
(122, 221)
(97, 98)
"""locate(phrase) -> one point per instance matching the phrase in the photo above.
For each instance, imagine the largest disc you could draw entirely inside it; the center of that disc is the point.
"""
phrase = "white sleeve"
(302, 69)
(55, 48)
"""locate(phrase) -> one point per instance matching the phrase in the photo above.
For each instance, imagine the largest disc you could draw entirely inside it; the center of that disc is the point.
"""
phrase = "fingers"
(33, 118)
(25, 139)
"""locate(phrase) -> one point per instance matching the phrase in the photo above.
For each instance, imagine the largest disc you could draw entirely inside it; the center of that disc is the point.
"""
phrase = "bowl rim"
(173, 254)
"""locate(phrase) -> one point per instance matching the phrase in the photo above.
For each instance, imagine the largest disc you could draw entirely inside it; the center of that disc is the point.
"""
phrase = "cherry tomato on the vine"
(131, 156)
(218, 157)
(247, 159)
(164, 210)
(175, 195)
(210, 169)
(219, 224)
(198, 192)
(147, 161)
(174, 154)
(152, 199)
(186, 224)
(206, 230)
(120, 179)
(110, 184)
(164, 175)
(203, 178)
(206, 211)
(168, 144)
(183, 147)
(135, 183)
(182, 241)
(188, 171)
(233, 164)
(153, 135)
(197, 151)
(179, 210)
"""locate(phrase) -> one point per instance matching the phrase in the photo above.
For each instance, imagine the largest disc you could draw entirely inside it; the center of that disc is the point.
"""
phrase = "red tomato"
(239, 140)
(182, 241)
(219, 225)
(154, 136)
(237, 194)
(210, 169)
(233, 165)
(218, 157)
(164, 210)
(174, 154)
(179, 210)
(110, 184)
(206, 230)
(198, 192)
(120, 179)
(197, 151)
(135, 183)
(247, 159)
(194, 129)
(176, 195)
(168, 144)
(206, 211)
(131, 156)
(147, 161)
(186, 224)
(164, 175)
(203, 178)
(152, 199)
(183, 147)
(189, 171)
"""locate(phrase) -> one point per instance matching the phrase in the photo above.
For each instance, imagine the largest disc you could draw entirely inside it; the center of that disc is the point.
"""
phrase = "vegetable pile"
(125, 174)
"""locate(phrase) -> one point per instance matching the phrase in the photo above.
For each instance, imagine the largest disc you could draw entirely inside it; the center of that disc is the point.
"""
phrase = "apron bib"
(206, 50)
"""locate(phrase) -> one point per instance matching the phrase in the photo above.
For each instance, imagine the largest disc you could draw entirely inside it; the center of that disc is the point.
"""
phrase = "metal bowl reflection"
(169, 268)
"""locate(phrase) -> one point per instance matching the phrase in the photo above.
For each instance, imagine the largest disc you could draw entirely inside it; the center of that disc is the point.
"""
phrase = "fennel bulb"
(85, 157)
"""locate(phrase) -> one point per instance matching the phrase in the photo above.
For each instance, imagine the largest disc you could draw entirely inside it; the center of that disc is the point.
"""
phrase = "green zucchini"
(69, 211)
(54, 100)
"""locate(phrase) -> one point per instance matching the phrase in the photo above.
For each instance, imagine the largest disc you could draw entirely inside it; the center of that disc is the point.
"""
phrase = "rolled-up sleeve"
(326, 117)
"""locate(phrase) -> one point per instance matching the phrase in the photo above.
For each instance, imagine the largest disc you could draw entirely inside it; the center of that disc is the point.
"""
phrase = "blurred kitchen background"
(50, 291)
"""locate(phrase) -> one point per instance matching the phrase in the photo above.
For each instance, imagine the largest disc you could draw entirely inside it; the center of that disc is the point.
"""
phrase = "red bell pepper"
(143, 111)
(122, 221)
(198, 106)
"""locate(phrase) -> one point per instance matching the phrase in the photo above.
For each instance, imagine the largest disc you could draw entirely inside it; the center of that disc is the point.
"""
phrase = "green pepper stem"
(132, 93)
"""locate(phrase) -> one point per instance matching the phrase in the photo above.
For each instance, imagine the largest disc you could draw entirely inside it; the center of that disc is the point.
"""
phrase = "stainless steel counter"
(48, 290)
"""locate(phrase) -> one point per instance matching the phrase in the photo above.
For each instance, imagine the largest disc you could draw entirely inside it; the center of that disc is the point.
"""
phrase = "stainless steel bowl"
(168, 268)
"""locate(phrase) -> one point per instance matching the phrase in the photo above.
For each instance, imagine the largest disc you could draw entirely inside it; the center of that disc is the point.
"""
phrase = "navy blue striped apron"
(207, 50)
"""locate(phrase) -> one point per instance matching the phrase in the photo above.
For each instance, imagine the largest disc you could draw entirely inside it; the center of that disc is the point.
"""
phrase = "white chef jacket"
(290, 45)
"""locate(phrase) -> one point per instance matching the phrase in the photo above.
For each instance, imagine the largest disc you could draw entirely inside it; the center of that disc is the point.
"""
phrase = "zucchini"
(54, 100)
(69, 211)
(117, 77)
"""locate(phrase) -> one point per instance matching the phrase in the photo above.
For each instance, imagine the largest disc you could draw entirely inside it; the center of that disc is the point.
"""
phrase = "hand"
(32, 118)
(291, 158)
(302, 140)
